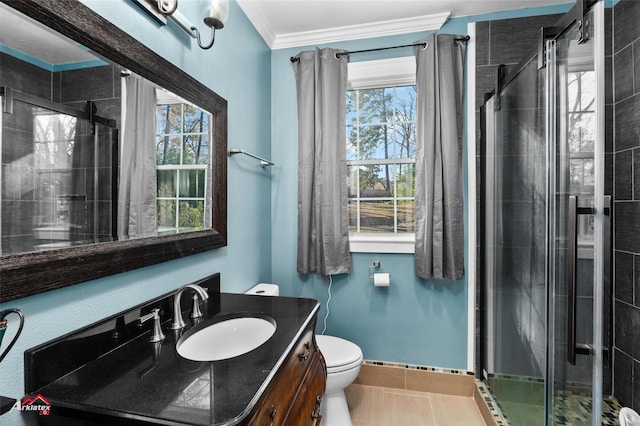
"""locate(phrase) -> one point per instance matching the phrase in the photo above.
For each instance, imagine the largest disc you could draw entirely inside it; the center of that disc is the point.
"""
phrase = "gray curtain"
(439, 117)
(323, 222)
(137, 186)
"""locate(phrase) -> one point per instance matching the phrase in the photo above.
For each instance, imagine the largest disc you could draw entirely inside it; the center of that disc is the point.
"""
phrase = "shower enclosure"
(545, 299)
(58, 174)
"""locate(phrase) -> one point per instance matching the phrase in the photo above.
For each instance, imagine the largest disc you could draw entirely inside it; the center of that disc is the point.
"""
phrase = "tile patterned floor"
(374, 405)
(520, 402)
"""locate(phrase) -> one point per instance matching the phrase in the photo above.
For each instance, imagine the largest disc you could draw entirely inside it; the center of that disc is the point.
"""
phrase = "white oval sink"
(226, 339)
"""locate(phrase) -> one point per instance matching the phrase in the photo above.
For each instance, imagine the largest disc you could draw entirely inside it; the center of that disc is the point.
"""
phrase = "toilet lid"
(338, 352)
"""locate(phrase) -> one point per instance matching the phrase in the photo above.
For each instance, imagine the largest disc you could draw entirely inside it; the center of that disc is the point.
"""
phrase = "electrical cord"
(326, 315)
(3, 314)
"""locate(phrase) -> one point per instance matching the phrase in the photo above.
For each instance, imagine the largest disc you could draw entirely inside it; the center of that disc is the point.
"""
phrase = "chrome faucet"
(156, 335)
(178, 322)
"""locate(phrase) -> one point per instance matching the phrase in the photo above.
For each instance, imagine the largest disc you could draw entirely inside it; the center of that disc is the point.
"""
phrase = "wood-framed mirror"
(33, 272)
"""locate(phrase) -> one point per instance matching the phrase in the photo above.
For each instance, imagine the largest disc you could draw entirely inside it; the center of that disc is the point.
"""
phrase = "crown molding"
(329, 35)
(361, 31)
(259, 21)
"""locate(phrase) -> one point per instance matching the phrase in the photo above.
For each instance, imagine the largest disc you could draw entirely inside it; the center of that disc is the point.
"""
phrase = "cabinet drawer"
(302, 355)
(276, 402)
(305, 410)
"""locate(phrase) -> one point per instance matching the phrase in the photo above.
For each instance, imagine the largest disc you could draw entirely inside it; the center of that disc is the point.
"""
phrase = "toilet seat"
(339, 354)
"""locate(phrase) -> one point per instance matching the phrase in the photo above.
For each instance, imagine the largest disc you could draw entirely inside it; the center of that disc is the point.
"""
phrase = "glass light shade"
(219, 10)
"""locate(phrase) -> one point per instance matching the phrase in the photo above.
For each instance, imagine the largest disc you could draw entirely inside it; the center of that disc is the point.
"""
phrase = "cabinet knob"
(272, 414)
(305, 356)
(316, 413)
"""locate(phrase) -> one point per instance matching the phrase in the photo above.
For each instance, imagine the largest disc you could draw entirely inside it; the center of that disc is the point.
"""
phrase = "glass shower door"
(58, 176)
(516, 248)
(576, 218)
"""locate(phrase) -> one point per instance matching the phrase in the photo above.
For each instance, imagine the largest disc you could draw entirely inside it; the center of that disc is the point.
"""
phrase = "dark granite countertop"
(146, 381)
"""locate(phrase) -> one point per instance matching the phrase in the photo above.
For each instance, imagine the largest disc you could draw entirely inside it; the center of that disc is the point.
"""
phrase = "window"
(182, 158)
(581, 139)
(381, 142)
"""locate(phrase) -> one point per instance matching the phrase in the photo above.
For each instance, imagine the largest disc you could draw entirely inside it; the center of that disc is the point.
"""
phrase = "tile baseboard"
(487, 405)
(417, 378)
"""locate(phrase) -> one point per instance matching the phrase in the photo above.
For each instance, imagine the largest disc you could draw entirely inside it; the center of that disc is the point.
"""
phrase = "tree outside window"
(381, 159)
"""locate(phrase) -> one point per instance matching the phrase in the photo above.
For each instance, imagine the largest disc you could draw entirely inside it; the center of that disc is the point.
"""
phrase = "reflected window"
(581, 133)
(182, 157)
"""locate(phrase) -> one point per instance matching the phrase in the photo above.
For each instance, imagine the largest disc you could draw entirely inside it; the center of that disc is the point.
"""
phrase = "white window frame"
(368, 75)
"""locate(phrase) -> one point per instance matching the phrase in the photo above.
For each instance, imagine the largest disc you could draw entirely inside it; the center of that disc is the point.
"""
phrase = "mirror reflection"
(91, 152)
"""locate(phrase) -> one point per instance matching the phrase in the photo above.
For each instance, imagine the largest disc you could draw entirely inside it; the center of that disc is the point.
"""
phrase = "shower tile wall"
(626, 64)
(19, 186)
(17, 172)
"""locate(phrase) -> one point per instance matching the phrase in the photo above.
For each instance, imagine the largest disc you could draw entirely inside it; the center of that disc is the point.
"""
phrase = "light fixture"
(167, 7)
(218, 14)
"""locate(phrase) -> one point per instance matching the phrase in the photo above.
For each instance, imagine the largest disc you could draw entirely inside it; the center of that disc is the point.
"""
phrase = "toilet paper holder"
(372, 268)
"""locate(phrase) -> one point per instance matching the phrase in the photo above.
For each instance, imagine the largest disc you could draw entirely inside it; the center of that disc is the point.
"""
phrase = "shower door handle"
(608, 279)
(574, 211)
(572, 287)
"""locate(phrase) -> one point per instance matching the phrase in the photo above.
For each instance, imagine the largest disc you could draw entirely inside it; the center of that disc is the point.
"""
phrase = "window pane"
(196, 149)
(168, 119)
(587, 90)
(376, 142)
(376, 181)
(352, 185)
(376, 105)
(376, 216)
(406, 180)
(582, 177)
(192, 183)
(166, 183)
(168, 150)
(405, 140)
(166, 214)
(405, 216)
(353, 107)
(405, 103)
(195, 120)
(352, 208)
(191, 215)
(352, 143)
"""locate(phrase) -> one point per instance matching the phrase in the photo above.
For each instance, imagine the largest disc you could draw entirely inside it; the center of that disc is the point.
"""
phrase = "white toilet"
(343, 359)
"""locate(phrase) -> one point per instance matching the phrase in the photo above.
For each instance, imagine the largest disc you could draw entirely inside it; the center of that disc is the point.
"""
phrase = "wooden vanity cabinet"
(295, 394)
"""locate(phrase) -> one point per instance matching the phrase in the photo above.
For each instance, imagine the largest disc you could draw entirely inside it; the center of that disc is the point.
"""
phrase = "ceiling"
(286, 23)
(291, 23)
(35, 42)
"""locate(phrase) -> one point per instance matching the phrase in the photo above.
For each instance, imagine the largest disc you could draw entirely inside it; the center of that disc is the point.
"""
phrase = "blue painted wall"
(410, 322)
(413, 321)
(237, 68)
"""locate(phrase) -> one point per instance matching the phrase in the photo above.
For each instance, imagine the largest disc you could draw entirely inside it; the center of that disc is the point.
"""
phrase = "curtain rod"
(465, 39)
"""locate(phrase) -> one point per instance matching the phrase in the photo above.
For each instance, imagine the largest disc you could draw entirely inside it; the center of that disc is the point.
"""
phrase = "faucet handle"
(195, 309)
(157, 335)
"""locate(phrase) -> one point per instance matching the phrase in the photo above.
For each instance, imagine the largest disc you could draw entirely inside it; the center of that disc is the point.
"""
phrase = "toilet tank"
(264, 289)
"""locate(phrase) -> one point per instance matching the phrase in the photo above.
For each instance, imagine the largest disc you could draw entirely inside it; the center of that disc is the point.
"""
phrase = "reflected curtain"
(439, 118)
(323, 222)
(137, 186)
